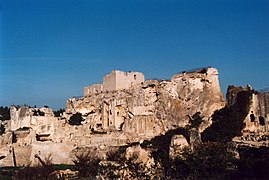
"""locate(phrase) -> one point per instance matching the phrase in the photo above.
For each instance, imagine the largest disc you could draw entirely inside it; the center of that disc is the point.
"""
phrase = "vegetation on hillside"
(38, 113)
(59, 112)
(40, 171)
(215, 158)
(4, 113)
(2, 129)
(76, 119)
(87, 164)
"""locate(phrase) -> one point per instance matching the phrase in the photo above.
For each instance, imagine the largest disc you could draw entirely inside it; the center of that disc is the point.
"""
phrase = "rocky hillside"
(111, 119)
(153, 107)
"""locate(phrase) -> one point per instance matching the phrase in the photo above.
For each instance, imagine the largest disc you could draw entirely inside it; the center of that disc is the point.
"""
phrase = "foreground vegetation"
(216, 156)
(209, 161)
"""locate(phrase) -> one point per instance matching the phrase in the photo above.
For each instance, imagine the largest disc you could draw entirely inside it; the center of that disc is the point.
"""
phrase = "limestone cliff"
(152, 107)
(112, 118)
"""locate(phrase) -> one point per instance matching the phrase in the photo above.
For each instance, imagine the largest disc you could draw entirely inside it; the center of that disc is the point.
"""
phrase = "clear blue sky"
(51, 49)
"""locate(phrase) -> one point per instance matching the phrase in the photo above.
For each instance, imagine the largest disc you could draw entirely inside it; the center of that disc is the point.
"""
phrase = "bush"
(76, 119)
(208, 161)
(120, 167)
(40, 171)
(87, 164)
(253, 163)
(38, 113)
(4, 113)
(59, 112)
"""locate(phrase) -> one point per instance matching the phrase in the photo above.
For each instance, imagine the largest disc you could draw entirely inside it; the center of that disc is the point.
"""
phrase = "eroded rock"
(113, 118)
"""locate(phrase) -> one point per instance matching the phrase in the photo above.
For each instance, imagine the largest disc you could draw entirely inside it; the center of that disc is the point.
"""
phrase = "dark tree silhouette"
(76, 119)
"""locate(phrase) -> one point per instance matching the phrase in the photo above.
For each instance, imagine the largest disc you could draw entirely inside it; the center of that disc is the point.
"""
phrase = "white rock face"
(153, 107)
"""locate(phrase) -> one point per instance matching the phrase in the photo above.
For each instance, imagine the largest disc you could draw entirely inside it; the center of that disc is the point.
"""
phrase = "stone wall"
(109, 81)
(257, 119)
(125, 80)
(93, 89)
(116, 80)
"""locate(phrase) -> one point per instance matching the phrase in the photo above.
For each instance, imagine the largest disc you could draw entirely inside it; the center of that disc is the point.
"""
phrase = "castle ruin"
(123, 109)
(116, 80)
(257, 120)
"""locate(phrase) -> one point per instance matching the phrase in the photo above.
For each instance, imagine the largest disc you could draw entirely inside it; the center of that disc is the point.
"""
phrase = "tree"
(76, 119)
(4, 113)
(59, 112)
(38, 113)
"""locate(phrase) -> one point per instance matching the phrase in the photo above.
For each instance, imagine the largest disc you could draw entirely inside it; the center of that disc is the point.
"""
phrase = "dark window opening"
(44, 137)
(252, 118)
(110, 112)
(261, 121)
(14, 138)
(98, 125)
(121, 126)
(135, 77)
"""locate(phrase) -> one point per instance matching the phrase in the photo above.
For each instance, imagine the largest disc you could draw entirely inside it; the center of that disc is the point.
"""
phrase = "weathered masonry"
(116, 80)
(257, 120)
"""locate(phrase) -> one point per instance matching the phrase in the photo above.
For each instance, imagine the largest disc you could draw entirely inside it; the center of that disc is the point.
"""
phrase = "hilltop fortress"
(123, 109)
(134, 106)
(116, 80)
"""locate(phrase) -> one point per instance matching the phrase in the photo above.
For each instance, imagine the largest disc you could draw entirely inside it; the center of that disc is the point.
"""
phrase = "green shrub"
(208, 161)
(38, 113)
(59, 112)
(120, 167)
(76, 119)
(4, 113)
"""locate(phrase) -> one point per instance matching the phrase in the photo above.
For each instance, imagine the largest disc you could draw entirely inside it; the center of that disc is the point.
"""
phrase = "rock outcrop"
(112, 118)
(258, 115)
(255, 133)
(151, 108)
(177, 145)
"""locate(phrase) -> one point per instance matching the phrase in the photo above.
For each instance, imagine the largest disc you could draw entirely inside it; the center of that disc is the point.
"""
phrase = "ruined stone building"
(116, 80)
(257, 120)
(134, 107)
(122, 110)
